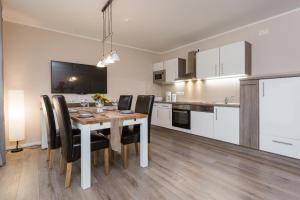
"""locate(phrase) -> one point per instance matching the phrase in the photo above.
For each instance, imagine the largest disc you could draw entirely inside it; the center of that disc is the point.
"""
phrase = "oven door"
(181, 118)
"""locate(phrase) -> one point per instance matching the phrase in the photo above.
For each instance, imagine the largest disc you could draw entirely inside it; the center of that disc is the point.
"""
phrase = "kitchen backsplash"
(209, 90)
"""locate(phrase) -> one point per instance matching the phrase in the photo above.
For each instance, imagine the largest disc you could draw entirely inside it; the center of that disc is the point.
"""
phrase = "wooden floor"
(183, 167)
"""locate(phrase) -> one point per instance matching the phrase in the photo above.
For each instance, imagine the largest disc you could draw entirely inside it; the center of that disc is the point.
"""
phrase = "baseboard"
(24, 145)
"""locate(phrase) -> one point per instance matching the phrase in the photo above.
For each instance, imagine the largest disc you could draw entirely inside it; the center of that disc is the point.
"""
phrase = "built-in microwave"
(159, 76)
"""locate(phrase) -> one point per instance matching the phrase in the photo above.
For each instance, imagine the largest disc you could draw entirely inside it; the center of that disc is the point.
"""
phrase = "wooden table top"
(106, 116)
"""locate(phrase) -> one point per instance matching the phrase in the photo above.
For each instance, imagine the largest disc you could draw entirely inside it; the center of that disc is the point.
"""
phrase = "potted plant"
(100, 100)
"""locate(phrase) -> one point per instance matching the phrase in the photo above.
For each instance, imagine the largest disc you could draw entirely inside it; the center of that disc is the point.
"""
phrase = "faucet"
(227, 99)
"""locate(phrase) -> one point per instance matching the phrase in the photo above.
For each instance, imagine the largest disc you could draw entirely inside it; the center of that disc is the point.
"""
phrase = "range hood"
(190, 68)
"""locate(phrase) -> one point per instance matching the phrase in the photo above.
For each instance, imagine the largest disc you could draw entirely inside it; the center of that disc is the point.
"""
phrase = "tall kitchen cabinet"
(279, 116)
(226, 124)
(229, 60)
(249, 113)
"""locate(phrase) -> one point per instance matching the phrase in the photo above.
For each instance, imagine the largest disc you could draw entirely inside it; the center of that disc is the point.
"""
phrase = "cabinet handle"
(169, 115)
(263, 89)
(285, 143)
(216, 114)
(157, 114)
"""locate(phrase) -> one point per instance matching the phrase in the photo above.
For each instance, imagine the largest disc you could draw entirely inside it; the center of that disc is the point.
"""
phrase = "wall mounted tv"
(77, 78)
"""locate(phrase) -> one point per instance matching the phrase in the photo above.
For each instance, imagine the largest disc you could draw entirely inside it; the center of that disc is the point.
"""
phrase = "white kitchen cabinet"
(230, 60)
(279, 114)
(162, 115)
(279, 107)
(158, 66)
(226, 124)
(154, 117)
(174, 68)
(207, 63)
(165, 115)
(233, 60)
(171, 67)
(202, 124)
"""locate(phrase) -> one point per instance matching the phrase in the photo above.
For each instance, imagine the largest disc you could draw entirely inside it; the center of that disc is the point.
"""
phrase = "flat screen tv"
(77, 78)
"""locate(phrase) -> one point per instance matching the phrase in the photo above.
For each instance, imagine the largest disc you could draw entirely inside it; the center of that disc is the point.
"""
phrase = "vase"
(99, 106)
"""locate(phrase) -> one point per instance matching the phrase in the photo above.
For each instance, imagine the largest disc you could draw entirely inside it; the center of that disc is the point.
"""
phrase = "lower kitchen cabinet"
(162, 115)
(202, 124)
(226, 124)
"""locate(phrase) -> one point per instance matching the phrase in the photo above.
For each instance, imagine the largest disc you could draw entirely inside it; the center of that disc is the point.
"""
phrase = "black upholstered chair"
(52, 132)
(124, 103)
(144, 105)
(71, 148)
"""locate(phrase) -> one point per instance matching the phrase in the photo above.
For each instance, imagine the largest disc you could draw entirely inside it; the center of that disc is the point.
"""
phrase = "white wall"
(275, 52)
(28, 52)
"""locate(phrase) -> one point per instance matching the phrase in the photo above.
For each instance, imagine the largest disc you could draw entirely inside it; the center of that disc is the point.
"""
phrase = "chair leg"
(61, 164)
(125, 155)
(149, 152)
(48, 154)
(113, 155)
(137, 149)
(95, 154)
(68, 175)
(51, 158)
(106, 161)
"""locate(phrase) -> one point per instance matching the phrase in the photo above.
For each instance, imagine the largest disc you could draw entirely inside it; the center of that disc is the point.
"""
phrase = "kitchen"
(252, 118)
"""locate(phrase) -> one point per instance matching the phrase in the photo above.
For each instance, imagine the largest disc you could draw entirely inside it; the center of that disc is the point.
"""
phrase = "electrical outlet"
(263, 32)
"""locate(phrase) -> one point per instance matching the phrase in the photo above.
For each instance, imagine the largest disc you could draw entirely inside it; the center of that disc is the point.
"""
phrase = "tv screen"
(77, 78)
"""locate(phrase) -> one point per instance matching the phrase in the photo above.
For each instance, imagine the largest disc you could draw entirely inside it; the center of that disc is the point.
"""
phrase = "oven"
(181, 116)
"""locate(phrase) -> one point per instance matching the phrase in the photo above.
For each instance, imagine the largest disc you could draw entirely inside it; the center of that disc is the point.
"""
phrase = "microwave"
(159, 76)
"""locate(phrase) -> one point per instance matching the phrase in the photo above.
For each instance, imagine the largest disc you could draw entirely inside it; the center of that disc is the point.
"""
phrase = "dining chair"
(53, 136)
(124, 103)
(144, 105)
(71, 148)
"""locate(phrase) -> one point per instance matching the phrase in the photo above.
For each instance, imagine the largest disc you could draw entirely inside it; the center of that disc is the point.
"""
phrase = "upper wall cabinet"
(230, 60)
(207, 63)
(158, 66)
(173, 68)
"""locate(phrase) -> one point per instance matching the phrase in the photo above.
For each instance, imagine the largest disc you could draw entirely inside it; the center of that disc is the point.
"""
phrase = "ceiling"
(155, 25)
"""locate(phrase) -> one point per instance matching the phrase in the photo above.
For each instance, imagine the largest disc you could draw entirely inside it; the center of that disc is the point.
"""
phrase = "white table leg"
(144, 143)
(85, 156)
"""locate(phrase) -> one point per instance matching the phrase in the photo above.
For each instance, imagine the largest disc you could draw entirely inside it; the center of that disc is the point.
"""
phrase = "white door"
(171, 67)
(158, 66)
(202, 123)
(165, 116)
(280, 107)
(207, 63)
(154, 117)
(226, 124)
(232, 59)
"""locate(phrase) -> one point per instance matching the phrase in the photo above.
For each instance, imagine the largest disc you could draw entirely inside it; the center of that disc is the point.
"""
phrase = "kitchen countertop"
(199, 103)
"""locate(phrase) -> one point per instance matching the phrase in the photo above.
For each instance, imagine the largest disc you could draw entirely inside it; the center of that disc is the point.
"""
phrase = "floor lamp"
(16, 117)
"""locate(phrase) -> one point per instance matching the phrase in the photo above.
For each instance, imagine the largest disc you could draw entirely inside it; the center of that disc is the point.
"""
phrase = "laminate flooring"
(183, 167)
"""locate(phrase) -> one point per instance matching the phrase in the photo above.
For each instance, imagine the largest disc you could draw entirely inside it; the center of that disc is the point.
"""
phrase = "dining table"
(100, 121)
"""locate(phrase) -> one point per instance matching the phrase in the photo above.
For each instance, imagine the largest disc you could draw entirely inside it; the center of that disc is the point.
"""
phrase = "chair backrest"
(64, 124)
(125, 102)
(50, 121)
(144, 105)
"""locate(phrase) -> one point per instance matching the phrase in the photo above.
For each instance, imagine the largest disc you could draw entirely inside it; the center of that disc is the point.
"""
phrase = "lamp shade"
(16, 115)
